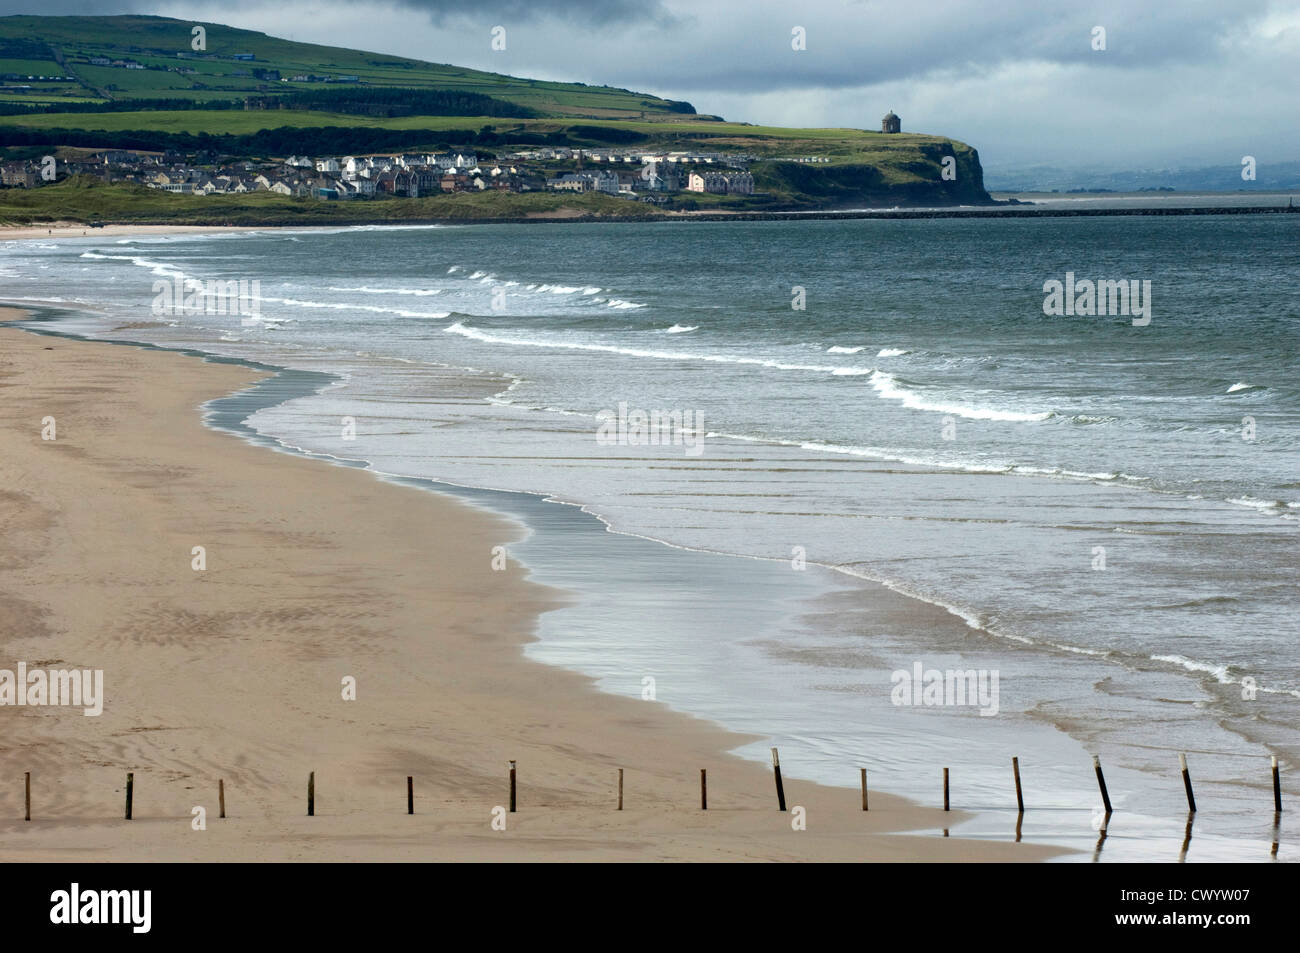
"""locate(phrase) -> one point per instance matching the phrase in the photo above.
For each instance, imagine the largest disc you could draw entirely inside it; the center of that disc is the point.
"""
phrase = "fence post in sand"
(1277, 788)
(704, 791)
(410, 795)
(1187, 783)
(27, 795)
(620, 789)
(1101, 783)
(780, 788)
(221, 795)
(945, 789)
(130, 784)
(1020, 798)
(311, 794)
(512, 787)
(864, 787)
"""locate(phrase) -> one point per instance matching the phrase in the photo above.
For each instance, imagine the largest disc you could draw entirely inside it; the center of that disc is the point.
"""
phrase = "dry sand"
(315, 573)
(78, 229)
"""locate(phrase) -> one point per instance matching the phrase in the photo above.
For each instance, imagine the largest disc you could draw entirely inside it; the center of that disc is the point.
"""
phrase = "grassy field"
(243, 121)
(160, 42)
(894, 154)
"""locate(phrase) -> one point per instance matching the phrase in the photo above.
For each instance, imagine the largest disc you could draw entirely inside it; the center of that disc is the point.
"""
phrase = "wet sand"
(313, 574)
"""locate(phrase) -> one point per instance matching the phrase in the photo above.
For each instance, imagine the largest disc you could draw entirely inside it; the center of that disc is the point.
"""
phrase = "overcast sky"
(1180, 82)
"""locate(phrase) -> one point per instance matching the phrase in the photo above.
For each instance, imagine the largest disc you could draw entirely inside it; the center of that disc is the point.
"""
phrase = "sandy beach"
(313, 574)
(78, 230)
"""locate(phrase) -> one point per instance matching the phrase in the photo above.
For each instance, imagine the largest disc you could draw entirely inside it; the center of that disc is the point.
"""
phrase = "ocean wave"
(341, 306)
(475, 334)
(419, 292)
(889, 387)
(892, 352)
(1242, 385)
(681, 328)
(162, 269)
(1221, 672)
(1278, 508)
(840, 349)
(1104, 476)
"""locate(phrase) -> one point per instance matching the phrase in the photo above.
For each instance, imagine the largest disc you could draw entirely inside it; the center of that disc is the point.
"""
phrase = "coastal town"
(644, 176)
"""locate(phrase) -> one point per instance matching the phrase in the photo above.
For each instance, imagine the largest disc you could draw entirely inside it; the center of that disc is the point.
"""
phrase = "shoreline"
(570, 216)
(118, 230)
(301, 530)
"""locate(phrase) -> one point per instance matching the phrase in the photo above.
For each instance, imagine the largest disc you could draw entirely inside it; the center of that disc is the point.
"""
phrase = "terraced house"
(721, 183)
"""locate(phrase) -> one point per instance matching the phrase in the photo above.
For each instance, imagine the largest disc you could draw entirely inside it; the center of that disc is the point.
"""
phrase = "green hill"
(250, 95)
(35, 46)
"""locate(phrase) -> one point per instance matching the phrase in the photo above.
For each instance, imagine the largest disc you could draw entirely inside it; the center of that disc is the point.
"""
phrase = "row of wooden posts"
(704, 789)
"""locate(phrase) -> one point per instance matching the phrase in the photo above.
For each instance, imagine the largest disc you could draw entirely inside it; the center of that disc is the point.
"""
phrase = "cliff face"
(905, 176)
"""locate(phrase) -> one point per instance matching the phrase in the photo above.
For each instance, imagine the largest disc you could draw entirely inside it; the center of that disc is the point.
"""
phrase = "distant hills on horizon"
(1269, 177)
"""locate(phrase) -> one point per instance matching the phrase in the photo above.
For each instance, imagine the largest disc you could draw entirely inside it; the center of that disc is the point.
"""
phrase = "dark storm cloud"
(596, 12)
(1204, 80)
(599, 12)
(744, 46)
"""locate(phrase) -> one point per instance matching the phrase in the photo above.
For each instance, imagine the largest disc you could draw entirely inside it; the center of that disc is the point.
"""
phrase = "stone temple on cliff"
(891, 123)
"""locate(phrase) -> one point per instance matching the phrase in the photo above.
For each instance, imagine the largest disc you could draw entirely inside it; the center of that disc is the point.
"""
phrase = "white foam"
(341, 306)
(1257, 504)
(840, 349)
(891, 352)
(888, 387)
(477, 335)
(682, 328)
(419, 292)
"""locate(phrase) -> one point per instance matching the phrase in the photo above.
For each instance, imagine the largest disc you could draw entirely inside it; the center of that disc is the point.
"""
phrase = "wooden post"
(311, 794)
(27, 786)
(1187, 783)
(410, 795)
(945, 789)
(620, 789)
(1187, 838)
(221, 795)
(1277, 788)
(1020, 798)
(512, 787)
(704, 791)
(130, 784)
(864, 787)
(780, 788)
(1101, 783)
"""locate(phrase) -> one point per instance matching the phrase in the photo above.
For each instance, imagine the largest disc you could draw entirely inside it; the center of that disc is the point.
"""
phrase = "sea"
(809, 479)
